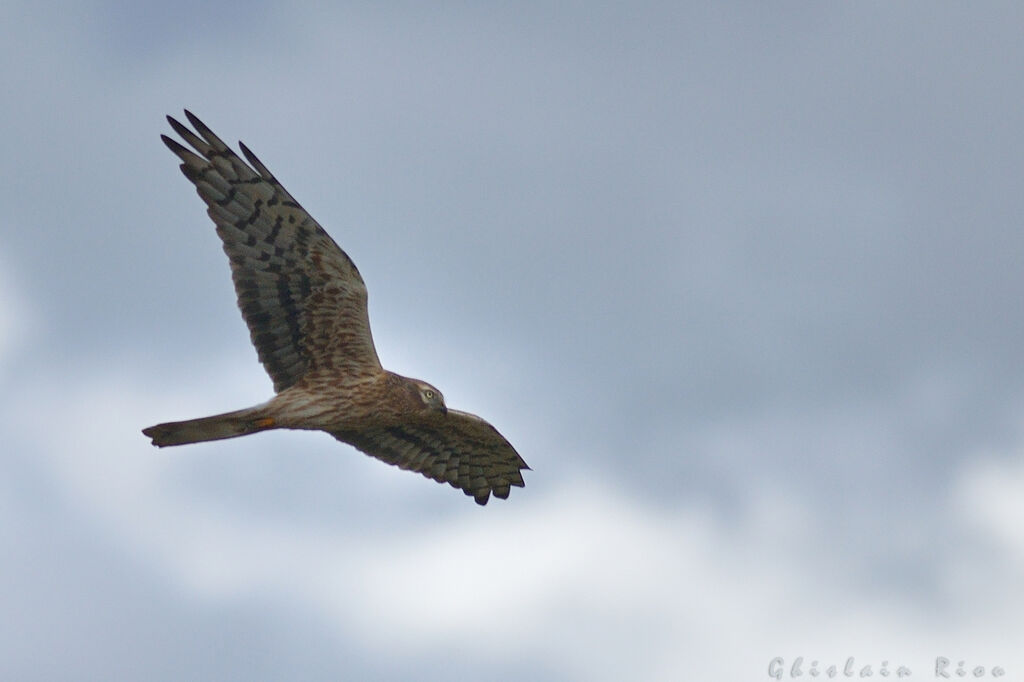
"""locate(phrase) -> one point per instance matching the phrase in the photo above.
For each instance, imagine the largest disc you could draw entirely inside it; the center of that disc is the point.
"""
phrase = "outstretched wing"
(300, 294)
(457, 448)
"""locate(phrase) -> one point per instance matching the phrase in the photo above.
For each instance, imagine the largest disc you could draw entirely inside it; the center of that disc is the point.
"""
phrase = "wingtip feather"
(178, 126)
(256, 163)
(201, 127)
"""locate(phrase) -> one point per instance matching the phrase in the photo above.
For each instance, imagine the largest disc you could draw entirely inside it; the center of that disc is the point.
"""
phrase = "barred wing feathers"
(301, 296)
(456, 448)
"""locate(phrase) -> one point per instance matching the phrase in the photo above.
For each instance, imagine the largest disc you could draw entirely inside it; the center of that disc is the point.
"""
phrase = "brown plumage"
(304, 302)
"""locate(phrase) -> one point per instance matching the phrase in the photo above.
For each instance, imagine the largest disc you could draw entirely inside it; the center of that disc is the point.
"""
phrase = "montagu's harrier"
(305, 304)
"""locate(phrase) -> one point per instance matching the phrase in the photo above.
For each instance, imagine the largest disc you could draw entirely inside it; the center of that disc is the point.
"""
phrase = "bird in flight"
(304, 302)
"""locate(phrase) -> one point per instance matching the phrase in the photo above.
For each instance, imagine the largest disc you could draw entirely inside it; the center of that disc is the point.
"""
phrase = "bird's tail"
(217, 427)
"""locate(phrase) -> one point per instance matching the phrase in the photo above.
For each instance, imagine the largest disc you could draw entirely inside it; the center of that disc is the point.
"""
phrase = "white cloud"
(591, 582)
(991, 493)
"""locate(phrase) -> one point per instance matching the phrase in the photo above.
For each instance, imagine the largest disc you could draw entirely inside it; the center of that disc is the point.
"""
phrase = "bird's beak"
(444, 409)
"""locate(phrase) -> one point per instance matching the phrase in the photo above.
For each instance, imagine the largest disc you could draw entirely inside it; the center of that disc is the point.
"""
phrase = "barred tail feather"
(217, 427)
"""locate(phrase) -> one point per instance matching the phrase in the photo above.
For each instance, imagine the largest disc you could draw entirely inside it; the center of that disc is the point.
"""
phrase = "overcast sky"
(741, 282)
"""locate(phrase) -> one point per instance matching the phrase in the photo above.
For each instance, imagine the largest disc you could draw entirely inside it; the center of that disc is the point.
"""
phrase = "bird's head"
(430, 396)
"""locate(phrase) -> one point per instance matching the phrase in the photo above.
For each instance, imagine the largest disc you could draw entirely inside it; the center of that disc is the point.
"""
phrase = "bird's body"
(305, 304)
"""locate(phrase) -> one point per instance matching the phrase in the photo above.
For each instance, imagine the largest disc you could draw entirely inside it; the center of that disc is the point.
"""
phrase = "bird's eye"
(429, 394)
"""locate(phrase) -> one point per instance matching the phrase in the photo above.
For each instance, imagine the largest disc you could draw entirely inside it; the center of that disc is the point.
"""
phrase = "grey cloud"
(705, 252)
